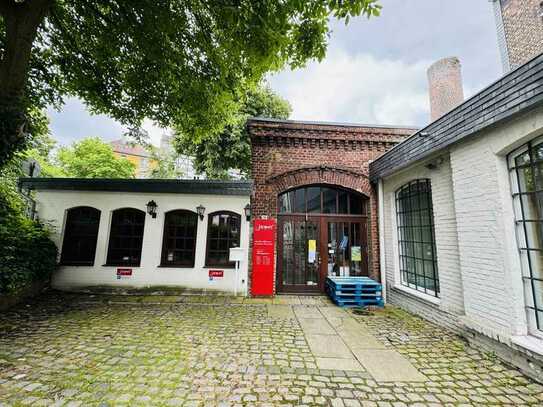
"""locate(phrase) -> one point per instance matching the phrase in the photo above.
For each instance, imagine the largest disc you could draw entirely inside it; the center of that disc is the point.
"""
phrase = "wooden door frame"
(322, 221)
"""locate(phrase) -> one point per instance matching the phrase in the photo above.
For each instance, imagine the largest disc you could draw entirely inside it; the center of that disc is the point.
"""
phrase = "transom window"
(322, 199)
(179, 242)
(126, 237)
(416, 237)
(223, 232)
(80, 236)
(526, 168)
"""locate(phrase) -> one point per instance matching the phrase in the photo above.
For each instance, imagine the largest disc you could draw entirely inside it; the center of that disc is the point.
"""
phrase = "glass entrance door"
(299, 257)
(346, 249)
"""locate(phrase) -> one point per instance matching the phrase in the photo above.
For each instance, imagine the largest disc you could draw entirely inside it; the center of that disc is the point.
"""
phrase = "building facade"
(461, 215)
(520, 30)
(146, 233)
(313, 178)
(136, 154)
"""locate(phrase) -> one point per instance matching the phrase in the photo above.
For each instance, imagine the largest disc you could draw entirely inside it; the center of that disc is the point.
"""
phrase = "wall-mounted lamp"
(151, 208)
(247, 210)
(201, 210)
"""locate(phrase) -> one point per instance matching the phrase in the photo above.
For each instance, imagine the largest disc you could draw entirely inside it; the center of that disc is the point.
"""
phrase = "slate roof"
(207, 187)
(517, 92)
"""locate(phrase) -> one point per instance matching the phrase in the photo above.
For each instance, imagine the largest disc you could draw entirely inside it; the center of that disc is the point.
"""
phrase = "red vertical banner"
(263, 256)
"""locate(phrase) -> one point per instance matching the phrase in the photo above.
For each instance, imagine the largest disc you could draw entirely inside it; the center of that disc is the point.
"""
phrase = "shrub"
(27, 254)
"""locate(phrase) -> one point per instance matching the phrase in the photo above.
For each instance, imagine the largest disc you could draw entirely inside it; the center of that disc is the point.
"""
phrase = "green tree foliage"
(27, 254)
(216, 153)
(183, 63)
(92, 158)
(165, 164)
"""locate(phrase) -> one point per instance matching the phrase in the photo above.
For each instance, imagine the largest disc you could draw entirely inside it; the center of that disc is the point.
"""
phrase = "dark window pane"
(356, 205)
(178, 248)
(299, 206)
(223, 234)
(418, 264)
(80, 236)
(329, 200)
(126, 237)
(343, 202)
(314, 199)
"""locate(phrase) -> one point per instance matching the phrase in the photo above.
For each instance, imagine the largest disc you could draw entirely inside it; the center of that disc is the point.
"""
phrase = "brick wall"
(445, 86)
(290, 154)
(523, 26)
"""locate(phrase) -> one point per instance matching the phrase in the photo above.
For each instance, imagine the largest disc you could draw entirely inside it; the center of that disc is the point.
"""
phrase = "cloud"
(357, 88)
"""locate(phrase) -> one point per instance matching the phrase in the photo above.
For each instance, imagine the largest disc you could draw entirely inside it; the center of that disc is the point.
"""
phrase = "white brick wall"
(478, 258)
(450, 304)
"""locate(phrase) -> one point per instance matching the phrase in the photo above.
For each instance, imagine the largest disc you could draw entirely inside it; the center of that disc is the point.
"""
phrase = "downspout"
(381, 223)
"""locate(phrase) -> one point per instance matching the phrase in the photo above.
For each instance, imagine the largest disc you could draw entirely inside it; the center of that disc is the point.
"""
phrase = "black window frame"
(408, 245)
(350, 196)
(110, 260)
(166, 238)
(209, 238)
(68, 257)
(522, 225)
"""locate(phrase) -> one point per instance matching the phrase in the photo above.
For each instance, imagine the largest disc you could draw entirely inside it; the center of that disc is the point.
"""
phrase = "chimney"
(445, 83)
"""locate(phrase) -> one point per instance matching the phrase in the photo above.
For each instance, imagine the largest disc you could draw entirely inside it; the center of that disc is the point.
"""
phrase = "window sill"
(120, 265)
(418, 295)
(175, 266)
(219, 266)
(528, 342)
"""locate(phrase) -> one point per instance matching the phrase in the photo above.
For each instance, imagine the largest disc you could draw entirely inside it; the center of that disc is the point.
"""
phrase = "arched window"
(126, 237)
(80, 235)
(322, 199)
(223, 232)
(416, 237)
(179, 242)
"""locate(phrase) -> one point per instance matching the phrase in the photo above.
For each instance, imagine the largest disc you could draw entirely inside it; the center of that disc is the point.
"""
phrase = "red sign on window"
(263, 257)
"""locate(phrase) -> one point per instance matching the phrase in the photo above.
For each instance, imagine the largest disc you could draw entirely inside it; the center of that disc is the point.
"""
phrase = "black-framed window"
(322, 199)
(526, 169)
(416, 237)
(223, 232)
(80, 236)
(179, 242)
(126, 237)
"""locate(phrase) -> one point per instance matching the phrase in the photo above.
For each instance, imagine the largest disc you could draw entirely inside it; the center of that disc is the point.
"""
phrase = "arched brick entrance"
(287, 155)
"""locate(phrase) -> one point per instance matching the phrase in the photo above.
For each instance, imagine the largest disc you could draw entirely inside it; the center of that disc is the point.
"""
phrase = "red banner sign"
(124, 273)
(216, 273)
(263, 256)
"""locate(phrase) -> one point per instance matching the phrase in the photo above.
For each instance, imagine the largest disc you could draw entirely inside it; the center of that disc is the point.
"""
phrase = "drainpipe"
(381, 223)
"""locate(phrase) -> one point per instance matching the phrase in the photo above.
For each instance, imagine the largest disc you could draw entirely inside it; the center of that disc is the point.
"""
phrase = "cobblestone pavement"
(78, 350)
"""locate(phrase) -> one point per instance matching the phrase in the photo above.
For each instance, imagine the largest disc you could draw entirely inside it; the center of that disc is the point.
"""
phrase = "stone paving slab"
(388, 366)
(328, 346)
(339, 364)
(316, 326)
(303, 311)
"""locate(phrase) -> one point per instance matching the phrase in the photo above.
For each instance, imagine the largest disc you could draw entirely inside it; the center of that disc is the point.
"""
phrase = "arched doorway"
(322, 231)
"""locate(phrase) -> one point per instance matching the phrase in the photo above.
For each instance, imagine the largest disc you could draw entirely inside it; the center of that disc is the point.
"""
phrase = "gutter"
(381, 227)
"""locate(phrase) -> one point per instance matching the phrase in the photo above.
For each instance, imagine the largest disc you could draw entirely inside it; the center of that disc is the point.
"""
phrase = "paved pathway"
(80, 350)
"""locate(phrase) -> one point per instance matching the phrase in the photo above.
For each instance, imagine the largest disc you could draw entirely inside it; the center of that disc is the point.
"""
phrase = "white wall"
(451, 298)
(478, 257)
(489, 256)
(52, 207)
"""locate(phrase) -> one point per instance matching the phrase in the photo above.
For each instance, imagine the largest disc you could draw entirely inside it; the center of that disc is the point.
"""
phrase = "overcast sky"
(374, 72)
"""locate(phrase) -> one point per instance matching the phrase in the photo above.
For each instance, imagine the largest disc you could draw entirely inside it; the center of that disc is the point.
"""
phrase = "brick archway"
(343, 177)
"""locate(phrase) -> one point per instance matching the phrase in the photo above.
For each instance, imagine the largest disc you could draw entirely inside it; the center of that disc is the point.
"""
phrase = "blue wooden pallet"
(354, 291)
(353, 283)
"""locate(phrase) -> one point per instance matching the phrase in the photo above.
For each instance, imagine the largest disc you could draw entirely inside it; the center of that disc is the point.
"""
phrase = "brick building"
(520, 30)
(313, 178)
